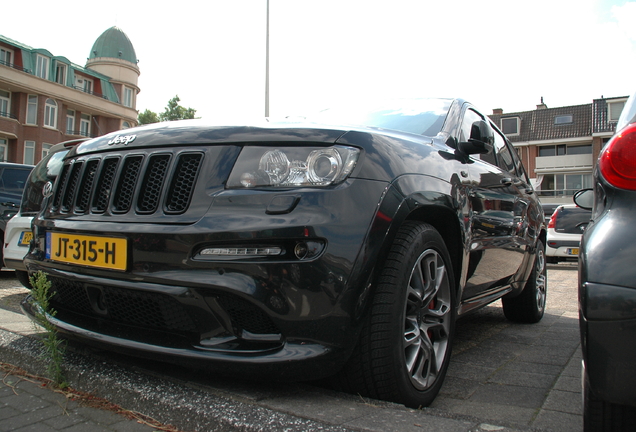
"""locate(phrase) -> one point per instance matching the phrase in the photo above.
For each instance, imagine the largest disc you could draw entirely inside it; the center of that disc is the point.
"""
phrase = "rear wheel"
(529, 306)
(405, 345)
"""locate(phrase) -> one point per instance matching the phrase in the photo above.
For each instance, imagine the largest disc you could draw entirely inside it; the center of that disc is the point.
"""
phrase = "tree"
(147, 117)
(173, 111)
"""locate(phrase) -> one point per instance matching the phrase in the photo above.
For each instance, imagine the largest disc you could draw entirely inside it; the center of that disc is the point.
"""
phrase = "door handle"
(506, 181)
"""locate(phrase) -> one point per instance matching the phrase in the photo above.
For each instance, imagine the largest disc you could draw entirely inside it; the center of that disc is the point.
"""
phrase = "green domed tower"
(114, 56)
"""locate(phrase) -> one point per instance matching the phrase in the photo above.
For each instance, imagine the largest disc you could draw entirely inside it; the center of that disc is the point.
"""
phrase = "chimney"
(497, 111)
(542, 105)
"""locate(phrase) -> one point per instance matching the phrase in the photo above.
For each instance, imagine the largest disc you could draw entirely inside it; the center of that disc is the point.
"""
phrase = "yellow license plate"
(573, 251)
(93, 251)
(25, 238)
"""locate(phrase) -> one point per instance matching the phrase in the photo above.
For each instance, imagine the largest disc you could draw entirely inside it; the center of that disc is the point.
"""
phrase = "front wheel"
(405, 345)
(529, 306)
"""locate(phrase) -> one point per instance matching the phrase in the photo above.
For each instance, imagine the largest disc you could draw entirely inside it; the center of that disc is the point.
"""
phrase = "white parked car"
(18, 235)
(565, 229)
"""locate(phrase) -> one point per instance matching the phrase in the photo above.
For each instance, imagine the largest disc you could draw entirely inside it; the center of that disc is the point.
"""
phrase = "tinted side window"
(13, 180)
(504, 157)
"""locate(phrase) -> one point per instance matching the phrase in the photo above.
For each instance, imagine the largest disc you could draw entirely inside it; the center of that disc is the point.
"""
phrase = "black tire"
(23, 277)
(405, 345)
(529, 306)
(601, 416)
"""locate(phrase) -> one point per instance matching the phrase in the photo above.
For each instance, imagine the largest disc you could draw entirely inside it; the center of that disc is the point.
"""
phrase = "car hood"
(189, 132)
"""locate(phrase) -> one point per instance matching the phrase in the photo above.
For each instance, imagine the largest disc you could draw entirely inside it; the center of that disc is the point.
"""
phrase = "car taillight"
(618, 159)
(552, 223)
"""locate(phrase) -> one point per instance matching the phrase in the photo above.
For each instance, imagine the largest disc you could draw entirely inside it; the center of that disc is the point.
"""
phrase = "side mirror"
(481, 139)
(584, 198)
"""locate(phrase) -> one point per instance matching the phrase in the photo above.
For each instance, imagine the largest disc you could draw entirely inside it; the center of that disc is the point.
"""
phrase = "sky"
(495, 53)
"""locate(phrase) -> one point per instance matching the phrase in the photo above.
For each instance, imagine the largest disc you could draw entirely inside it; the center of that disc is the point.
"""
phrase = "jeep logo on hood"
(122, 139)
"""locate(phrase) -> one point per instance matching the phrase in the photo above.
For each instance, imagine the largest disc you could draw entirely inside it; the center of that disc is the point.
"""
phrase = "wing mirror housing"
(584, 198)
(481, 139)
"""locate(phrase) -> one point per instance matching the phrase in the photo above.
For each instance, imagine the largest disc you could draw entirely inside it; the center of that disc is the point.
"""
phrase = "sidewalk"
(503, 377)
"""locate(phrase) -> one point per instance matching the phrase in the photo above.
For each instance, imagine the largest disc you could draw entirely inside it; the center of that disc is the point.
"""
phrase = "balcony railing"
(8, 115)
(90, 92)
(11, 65)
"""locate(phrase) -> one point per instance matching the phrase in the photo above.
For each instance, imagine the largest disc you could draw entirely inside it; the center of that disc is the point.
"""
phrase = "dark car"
(295, 249)
(565, 227)
(12, 180)
(17, 234)
(607, 284)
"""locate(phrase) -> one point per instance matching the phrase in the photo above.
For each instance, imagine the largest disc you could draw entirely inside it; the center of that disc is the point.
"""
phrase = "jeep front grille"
(124, 184)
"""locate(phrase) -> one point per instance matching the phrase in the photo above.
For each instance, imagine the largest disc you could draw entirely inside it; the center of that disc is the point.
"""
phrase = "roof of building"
(114, 43)
(601, 118)
(549, 123)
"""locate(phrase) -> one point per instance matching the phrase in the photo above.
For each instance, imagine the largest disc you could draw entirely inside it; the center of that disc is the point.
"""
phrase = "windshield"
(417, 116)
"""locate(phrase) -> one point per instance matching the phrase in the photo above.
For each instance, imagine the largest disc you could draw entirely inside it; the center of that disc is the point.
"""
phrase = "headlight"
(292, 166)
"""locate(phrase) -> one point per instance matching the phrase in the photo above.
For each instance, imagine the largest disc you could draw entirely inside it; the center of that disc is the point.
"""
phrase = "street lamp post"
(267, 63)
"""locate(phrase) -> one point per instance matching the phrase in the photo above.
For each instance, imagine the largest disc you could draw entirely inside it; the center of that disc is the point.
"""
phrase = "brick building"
(559, 146)
(46, 99)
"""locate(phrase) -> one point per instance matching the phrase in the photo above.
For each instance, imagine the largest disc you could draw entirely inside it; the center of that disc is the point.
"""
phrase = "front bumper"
(175, 304)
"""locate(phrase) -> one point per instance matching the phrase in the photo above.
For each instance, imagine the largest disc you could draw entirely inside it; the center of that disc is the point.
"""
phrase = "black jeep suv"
(348, 243)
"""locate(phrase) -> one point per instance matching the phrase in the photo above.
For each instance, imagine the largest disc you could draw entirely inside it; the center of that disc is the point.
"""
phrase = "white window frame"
(85, 125)
(5, 103)
(517, 121)
(128, 97)
(613, 113)
(60, 73)
(88, 85)
(70, 122)
(5, 56)
(46, 148)
(32, 110)
(29, 153)
(50, 114)
(4, 148)
(42, 66)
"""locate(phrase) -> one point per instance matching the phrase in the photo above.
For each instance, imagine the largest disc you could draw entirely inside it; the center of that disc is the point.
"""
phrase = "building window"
(564, 184)
(563, 119)
(125, 125)
(3, 150)
(614, 110)
(70, 122)
(84, 84)
(510, 125)
(128, 97)
(32, 110)
(562, 149)
(5, 103)
(6, 56)
(85, 125)
(29, 152)
(60, 74)
(42, 67)
(45, 149)
(50, 113)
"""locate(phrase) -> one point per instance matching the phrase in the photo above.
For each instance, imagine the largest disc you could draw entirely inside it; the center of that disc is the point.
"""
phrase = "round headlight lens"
(323, 166)
(275, 164)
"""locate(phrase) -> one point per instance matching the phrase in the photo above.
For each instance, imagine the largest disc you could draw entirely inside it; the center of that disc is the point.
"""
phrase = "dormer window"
(6, 56)
(42, 67)
(510, 125)
(614, 110)
(563, 119)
